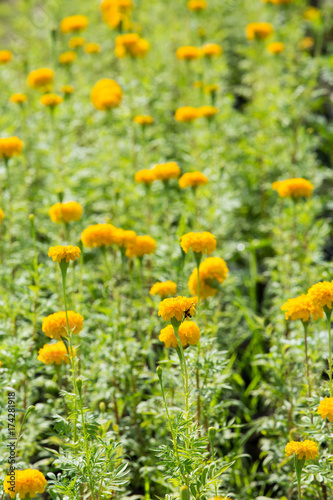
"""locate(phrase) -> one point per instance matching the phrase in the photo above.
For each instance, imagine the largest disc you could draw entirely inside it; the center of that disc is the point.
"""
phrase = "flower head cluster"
(92, 48)
(192, 179)
(198, 242)
(67, 89)
(293, 188)
(131, 44)
(146, 176)
(321, 294)
(207, 111)
(67, 57)
(55, 325)
(276, 47)
(51, 100)
(106, 94)
(188, 332)
(301, 307)
(41, 79)
(177, 307)
(142, 245)
(2, 215)
(27, 482)
(211, 50)
(143, 120)
(259, 31)
(5, 56)
(166, 171)
(99, 235)
(164, 289)
(74, 24)
(18, 98)
(54, 354)
(303, 449)
(116, 12)
(66, 212)
(197, 5)
(10, 146)
(187, 114)
(325, 409)
(213, 269)
(64, 253)
(125, 238)
(278, 2)
(76, 42)
(188, 53)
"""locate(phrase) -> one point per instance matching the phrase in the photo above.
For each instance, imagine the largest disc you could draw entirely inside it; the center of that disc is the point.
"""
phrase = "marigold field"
(166, 248)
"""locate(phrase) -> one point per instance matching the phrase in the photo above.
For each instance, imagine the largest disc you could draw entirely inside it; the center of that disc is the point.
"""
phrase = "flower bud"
(102, 406)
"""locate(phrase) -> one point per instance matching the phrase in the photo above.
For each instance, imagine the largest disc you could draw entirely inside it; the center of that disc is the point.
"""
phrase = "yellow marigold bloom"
(67, 253)
(321, 294)
(76, 42)
(259, 31)
(198, 242)
(116, 12)
(132, 45)
(177, 307)
(74, 23)
(212, 49)
(188, 53)
(92, 48)
(193, 180)
(55, 325)
(164, 289)
(10, 146)
(66, 212)
(67, 57)
(188, 332)
(18, 98)
(146, 176)
(99, 235)
(51, 100)
(278, 2)
(222, 498)
(209, 89)
(293, 188)
(325, 409)
(5, 56)
(67, 89)
(306, 43)
(312, 14)
(276, 47)
(143, 245)
(125, 238)
(166, 171)
(303, 449)
(54, 353)
(41, 79)
(211, 269)
(106, 94)
(26, 482)
(141, 48)
(143, 120)
(197, 5)
(302, 308)
(187, 114)
(208, 111)
(2, 215)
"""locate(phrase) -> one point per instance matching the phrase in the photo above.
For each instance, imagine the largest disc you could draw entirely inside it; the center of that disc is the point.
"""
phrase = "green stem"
(183, 365)
(305, 326)
(86, 444)
(328, 313)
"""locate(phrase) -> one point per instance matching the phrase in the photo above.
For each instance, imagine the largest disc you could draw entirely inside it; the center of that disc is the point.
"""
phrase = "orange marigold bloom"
(143, 245)
(198, 242)
(99, 235)
(177, 307)
(211, 49)
(197, 5)
(66, 212)
(55, 325)
(143, 120)
(321, 294)
(276, 47)
(306, 43)
(278, 2)
(188, 53)
(259, 31)
(213, 269)
(5, 56)
(76, 42)
(303, 449)
(325, 409)
(2, 215)
(116, 12)
(125, 238)
(302, 308)
(41, 79)
(312, 14)
(193, 180)
(106, 94)
(74, 23)
(208, 111)
(54, 353)
(26, 482)
(132, 45)
(188, 332)
(67, 89)
(164, 289)
(10, 146)
(18, 98)
(187, 114)
(51, 100)
(146, 176)
(67, 57)
(293, 188)
(166, 171)
(67, 253)
(92, 48)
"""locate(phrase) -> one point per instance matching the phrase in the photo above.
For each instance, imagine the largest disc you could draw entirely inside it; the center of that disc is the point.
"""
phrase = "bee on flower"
(178, 308)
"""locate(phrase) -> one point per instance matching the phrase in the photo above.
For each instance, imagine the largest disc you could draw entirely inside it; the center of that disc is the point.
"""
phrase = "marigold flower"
(132, 45)
(177, 307)
(197, 5)
(188, 53)
(51, 100)
(278, 2)
(66, 253)
(208, 111)
(210, 270)
(146, 176)
(188, 332)
(67, 89)
(312, 14)
(276, 47)
(106, 94)
(164, 289)
(41, 79)
(192, 179)
(259, 31)
(76, 42)
(143, 245)
(54, 353)
(211, 50)
(99, 235)
(198, 242)
(10, 146)
(187, 114)
(92, 48)
(2, 215)
(321, 294)
(302, 308)
(293, 188)
(74, 23)
(5, 56)
(143, 120)
(67, 57)
(303, 449)
(306, 43)
(66, 212)
(116, 12)
(26, 482)
(55, 325)
(125, 238)
(18, 98)
(166, 171)
(325, 409)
